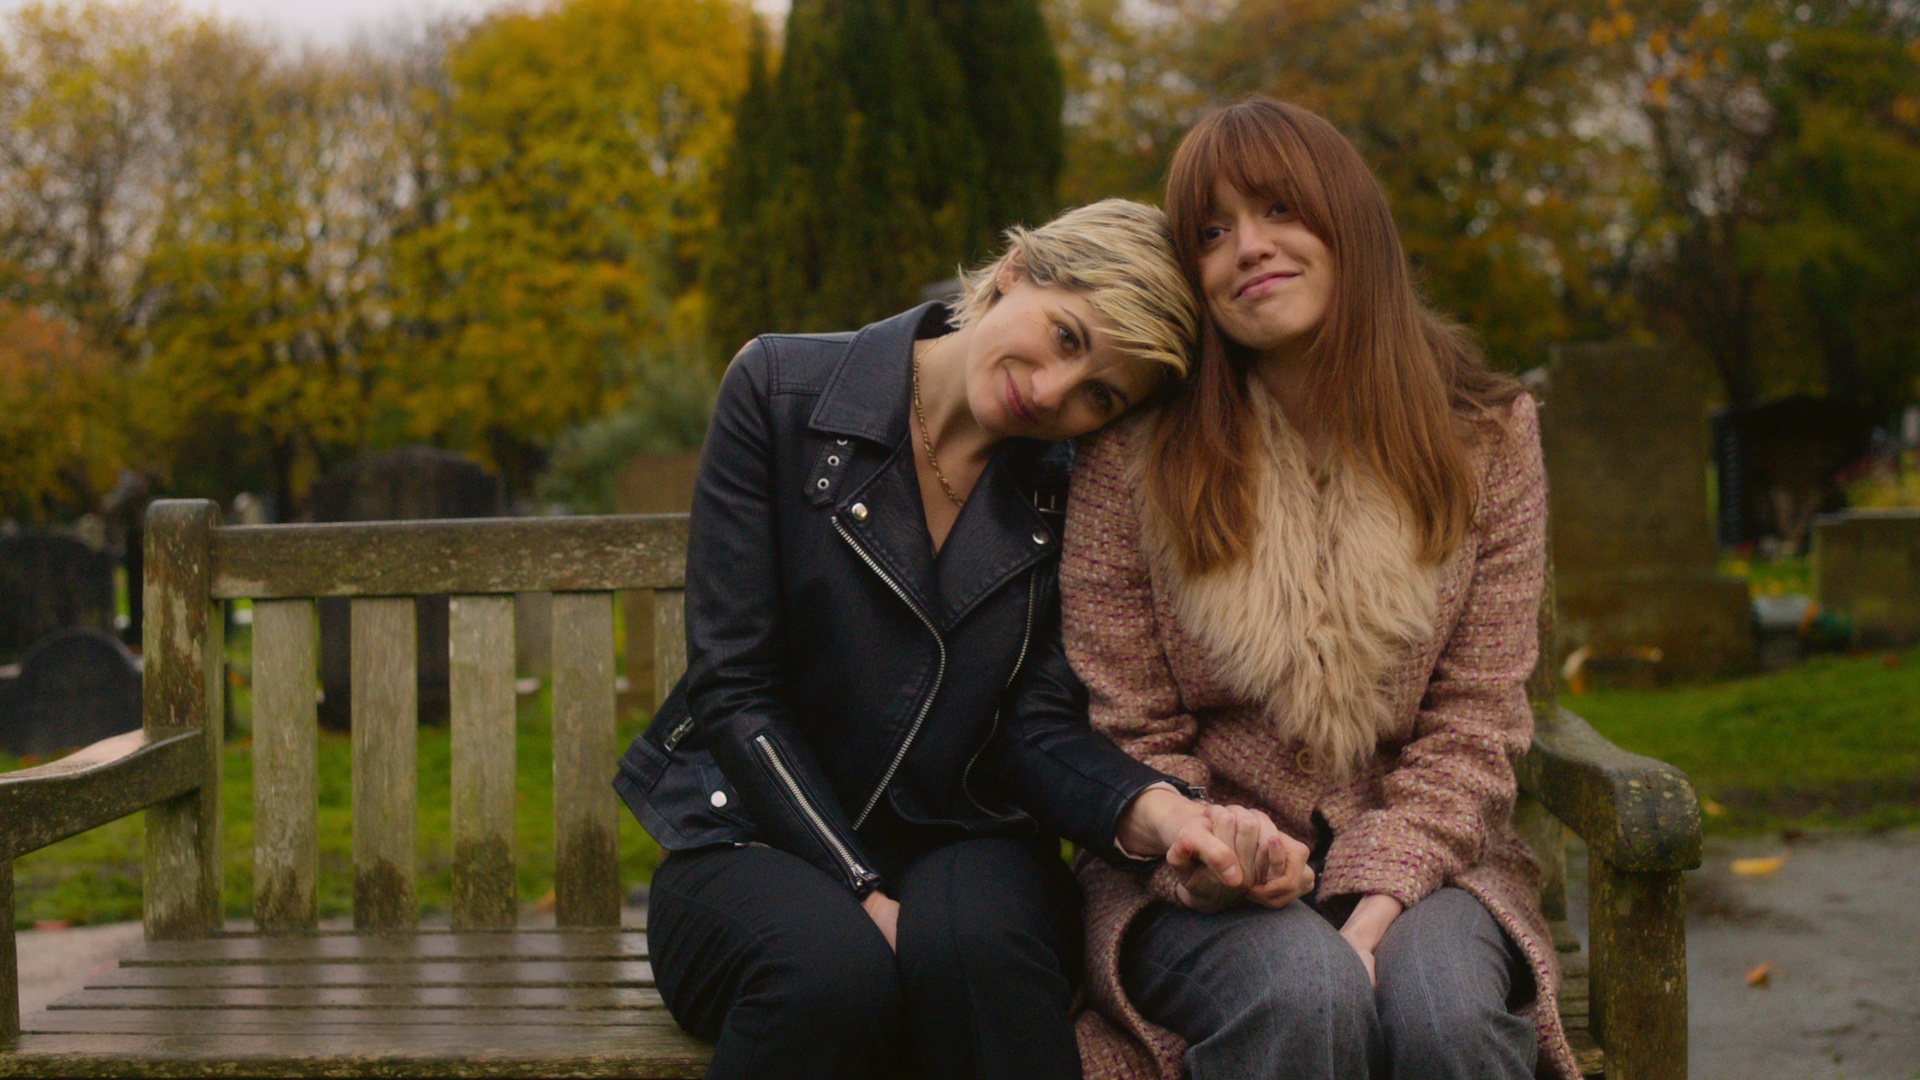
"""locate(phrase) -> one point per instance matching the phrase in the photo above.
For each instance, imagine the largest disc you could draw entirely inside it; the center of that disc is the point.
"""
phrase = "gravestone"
(75, 687)
(650, 484)
(51, 581)
(1866, 567)
(410, 484)
(1624, 429)
(1778, 463)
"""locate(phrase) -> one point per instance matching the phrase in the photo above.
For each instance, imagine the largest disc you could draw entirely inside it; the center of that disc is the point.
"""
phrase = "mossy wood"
(485, 999)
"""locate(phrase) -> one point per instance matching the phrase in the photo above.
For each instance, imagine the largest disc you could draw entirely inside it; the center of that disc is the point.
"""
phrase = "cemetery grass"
(95, 877)
(1833, 742)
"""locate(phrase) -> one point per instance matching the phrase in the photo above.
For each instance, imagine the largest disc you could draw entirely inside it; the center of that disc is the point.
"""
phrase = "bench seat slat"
(480, 641)
(286, 766)
(233, 999)
(349, 948)
(336, 1021)
(651, 1053)
(438, 973)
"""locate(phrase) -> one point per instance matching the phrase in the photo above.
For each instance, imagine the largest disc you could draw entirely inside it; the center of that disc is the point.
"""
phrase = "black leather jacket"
(833, 662)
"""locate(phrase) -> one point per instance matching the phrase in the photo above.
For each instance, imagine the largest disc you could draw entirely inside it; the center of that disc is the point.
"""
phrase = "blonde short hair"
(1119, 255)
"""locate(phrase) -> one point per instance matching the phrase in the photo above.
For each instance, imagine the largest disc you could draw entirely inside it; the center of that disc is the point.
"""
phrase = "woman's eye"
(1069, 341)
(1103, 398)
(1211, 233)
(1279, 210)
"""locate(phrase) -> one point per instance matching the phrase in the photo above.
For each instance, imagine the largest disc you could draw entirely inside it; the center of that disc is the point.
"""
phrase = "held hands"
(1228, 853)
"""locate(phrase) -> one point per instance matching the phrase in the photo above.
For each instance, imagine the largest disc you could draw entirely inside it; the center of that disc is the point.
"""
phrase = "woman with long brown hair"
(1309, 584)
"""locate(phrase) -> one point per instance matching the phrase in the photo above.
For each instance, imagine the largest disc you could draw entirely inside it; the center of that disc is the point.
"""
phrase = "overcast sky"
(330, 22)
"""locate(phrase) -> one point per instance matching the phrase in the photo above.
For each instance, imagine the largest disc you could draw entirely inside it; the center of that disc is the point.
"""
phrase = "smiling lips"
(1016, 406)
(1261, 284)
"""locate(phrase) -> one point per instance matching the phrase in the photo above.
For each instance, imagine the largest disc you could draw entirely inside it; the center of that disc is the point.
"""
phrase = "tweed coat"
(1429, 804)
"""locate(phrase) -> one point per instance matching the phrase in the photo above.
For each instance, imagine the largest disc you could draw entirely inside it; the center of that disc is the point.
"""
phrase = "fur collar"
(1330, 599)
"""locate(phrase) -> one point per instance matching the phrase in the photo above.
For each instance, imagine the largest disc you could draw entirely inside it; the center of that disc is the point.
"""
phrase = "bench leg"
(1638, 927)
(9, 959)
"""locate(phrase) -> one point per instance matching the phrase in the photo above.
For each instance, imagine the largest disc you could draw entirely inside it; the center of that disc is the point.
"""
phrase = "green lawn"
(1834, 741)
(95, 877)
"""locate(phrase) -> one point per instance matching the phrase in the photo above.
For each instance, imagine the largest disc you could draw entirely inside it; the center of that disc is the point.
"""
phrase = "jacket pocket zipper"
(859, 874)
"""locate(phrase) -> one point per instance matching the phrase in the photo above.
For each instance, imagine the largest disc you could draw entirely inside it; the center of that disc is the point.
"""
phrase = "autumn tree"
(578, 200)
(62, 440)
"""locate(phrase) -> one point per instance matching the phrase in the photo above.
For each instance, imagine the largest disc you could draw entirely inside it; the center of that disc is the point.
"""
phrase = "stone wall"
(1866, 566)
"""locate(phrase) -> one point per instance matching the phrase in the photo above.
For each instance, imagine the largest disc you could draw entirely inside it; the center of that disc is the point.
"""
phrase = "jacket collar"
(863, 397)
(999, 532)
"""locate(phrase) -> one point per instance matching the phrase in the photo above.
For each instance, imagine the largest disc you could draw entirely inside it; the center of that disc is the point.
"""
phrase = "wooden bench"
(486, 997)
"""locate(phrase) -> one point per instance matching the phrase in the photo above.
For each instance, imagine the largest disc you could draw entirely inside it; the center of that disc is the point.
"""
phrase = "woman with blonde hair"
(1310, 584)
(863, 777)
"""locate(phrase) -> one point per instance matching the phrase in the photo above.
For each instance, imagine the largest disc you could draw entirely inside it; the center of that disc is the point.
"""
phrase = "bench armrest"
(90, 787)
(1638, 814)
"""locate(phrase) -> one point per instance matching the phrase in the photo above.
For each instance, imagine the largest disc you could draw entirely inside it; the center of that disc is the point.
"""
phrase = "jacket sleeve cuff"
(1407, 870)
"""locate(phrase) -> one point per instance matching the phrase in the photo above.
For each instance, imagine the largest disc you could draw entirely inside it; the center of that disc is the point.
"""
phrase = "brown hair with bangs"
(1400, 389)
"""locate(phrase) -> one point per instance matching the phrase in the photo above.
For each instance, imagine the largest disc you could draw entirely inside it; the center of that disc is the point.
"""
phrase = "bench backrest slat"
(385, 745)
(421, 558)
(480, 640)
(286, 846)
(586, 870)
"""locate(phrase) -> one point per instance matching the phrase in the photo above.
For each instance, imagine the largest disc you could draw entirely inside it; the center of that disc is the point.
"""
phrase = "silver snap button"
(839, 442)
(821, 483)
(718, 799)
(833, 459)
(1040, 538)
(859, 511)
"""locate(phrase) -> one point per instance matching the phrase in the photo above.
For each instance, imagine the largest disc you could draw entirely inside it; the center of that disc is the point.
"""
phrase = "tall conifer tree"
(896, 140)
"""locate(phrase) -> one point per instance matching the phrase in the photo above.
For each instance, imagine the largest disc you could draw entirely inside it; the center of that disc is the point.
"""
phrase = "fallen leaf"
(545, 903)
(1760, 975)
(1711, 808)
(1759, 867)
(44, 925)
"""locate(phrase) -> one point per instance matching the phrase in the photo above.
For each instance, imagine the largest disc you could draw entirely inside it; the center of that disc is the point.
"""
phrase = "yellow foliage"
(62, 433)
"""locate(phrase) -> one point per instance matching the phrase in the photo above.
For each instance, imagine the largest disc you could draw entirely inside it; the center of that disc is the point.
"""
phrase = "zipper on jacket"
(966, 775)
(859, 874)
(679, 732)
(940, 673)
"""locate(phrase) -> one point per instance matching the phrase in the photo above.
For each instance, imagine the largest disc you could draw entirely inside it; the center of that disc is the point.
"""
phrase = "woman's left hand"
(1368, 924)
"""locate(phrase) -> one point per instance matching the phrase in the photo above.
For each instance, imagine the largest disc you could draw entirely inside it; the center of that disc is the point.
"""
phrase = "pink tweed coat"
(1431, 805)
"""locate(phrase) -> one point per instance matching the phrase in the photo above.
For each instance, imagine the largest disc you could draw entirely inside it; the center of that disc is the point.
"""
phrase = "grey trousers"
(1262, 994)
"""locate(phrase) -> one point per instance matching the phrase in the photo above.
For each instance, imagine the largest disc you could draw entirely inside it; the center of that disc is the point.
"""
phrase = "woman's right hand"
(1268, 868)
(884, 910)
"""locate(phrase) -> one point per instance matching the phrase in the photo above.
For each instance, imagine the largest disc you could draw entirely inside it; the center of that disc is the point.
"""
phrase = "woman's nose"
(1050, 388)
(1255, 244)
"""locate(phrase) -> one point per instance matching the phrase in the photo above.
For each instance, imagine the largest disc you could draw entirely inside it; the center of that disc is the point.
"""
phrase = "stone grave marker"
(1866, 567)
(49, 581)
(410, 484)
(1625, 432)
(76, 687)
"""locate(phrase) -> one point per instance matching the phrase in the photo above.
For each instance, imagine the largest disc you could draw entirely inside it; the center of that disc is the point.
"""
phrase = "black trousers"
(778, 966)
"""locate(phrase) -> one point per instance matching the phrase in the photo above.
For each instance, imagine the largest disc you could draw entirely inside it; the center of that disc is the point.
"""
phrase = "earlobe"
(1007, 275)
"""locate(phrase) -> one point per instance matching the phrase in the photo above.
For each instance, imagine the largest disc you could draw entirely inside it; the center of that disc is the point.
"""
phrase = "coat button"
(821, 483)
(1306, 759)
(718, 799)
(1040, 537)
(859, 511)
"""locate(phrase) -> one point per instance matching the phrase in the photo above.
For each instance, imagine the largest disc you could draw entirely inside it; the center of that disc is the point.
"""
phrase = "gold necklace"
(926, 436)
